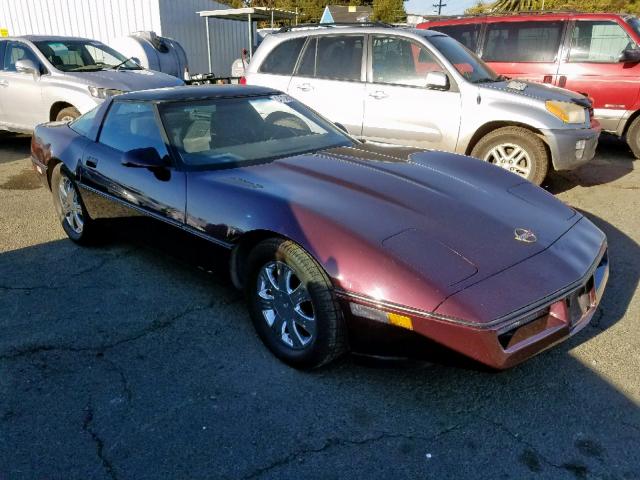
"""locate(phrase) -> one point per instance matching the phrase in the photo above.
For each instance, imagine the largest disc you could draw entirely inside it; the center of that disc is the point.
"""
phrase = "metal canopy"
(256, 13)
(248, 14)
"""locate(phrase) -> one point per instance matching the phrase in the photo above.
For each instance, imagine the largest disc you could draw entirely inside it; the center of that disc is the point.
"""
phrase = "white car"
(59, 78)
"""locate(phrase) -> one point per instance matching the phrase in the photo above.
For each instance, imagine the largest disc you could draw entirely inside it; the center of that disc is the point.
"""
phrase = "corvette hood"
(439, 213)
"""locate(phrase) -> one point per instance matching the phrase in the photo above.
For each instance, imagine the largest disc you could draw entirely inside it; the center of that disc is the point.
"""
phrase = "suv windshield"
(83, 56)
(228, 132)
(464, 60)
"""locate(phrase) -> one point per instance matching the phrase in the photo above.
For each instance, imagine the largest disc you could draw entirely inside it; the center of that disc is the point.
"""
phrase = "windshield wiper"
(118, 66)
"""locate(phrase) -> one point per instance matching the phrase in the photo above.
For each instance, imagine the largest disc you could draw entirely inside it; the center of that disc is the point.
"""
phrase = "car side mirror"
(437, 81)
(136, 60)
(27, 66)
(143, 158)
(630, 55)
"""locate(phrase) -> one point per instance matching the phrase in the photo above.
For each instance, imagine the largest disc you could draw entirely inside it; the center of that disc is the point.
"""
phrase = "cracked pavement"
(125, 361)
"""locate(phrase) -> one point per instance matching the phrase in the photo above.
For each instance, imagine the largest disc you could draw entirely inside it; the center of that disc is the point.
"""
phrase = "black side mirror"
(630, 55)
(143, 158)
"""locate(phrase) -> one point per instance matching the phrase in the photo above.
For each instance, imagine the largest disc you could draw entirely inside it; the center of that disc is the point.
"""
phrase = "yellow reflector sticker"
(4, 32)
(400, 321)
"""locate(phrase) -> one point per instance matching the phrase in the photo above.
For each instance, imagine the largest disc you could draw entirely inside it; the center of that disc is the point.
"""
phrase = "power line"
(439, 6)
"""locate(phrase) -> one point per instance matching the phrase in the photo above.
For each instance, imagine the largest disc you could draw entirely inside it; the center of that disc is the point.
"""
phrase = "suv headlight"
(100, 92)
(567, 112)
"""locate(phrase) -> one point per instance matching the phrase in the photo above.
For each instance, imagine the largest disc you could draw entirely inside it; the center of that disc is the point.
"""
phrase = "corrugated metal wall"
(101, 20)
(106, 20)
(228, 37)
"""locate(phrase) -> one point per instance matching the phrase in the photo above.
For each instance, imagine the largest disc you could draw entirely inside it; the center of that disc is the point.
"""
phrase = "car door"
(591, 66)
(330, 79)
(526, 50)
(21, 93)
(116, 190)
(398, 106)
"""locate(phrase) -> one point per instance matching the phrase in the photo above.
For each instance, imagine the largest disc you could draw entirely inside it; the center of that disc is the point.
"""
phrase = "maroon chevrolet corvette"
(327, 234)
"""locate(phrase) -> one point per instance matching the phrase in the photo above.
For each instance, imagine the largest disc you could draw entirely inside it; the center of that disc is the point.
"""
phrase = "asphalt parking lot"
(125, 361)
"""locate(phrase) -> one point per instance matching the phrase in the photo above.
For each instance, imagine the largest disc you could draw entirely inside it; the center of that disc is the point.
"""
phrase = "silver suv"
(424, 89)
(59, 78)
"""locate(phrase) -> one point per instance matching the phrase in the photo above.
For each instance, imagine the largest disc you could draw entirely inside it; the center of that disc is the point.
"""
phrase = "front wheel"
(292, 305)
(67, 114)
(633, 137)
(515, 149)
(71, 211)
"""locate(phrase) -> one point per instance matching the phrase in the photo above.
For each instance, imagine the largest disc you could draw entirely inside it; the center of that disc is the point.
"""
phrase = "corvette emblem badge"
(524, 235)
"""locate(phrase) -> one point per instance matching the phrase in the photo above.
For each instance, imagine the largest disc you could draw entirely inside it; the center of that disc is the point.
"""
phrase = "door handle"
(563, 81)
(305, 87)
(378, 95)
(4, 83)
(91, 162)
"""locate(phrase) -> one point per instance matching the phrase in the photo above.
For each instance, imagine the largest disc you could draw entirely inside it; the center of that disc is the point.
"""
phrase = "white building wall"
(228, 37)
(101, 20)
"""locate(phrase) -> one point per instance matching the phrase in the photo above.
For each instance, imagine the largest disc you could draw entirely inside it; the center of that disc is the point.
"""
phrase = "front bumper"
(526, 331)
(563, 146)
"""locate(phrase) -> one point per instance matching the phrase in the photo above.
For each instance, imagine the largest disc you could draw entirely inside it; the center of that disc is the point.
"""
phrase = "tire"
(305, 345)
(67, 114)
(512, 139)
(633, 137)
(74, 219)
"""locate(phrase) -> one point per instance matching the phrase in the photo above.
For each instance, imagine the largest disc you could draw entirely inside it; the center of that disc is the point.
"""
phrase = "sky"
(426, 6)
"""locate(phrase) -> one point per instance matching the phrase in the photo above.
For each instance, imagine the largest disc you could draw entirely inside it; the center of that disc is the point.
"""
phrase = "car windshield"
(464, 60)
(634, 22)
(83, 56)
(225, 132)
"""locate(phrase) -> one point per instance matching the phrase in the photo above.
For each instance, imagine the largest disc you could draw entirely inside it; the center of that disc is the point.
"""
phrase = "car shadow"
(613, 162)
(141, 344)
(14, 146)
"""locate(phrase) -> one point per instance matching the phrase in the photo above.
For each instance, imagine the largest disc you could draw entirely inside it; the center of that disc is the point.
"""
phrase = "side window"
(131, 125)
(402, 62)
(3, 46)
(339, 57)
(522, 41)
(465, 34)
(307, 66)
(283, 58)
(17, 51)
(598, 41)
(85, 124)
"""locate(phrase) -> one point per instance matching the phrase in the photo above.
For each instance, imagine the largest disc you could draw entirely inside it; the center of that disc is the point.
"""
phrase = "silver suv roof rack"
(289, 28)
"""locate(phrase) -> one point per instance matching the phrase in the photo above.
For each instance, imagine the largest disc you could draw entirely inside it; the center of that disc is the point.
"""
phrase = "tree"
(390, 11)
(629, 6)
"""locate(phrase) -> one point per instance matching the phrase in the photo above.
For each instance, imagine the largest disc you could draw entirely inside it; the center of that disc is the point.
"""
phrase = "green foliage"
(390, 11)
(310, 11)
(629, 6)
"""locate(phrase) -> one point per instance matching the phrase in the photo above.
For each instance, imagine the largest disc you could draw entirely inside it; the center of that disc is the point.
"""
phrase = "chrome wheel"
(67, 118)
(286, 305)
(511, 157)
(70, 203)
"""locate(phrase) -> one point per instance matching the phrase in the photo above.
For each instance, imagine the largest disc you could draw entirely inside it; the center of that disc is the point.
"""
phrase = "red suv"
(595, 54)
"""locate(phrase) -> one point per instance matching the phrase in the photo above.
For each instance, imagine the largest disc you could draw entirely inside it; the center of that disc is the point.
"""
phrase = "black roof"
(201, 92)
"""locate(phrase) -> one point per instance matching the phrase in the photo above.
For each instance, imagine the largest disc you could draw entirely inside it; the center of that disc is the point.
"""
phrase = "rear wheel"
(292, 305)
(515, 149)
(633, 137)
(71, 211)
(67, 114)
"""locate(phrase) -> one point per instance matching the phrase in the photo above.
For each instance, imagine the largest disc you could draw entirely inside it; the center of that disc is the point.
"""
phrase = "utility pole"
(439, 6)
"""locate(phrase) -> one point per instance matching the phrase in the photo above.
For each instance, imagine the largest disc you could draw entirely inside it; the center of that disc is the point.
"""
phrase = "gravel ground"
(123, 361)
